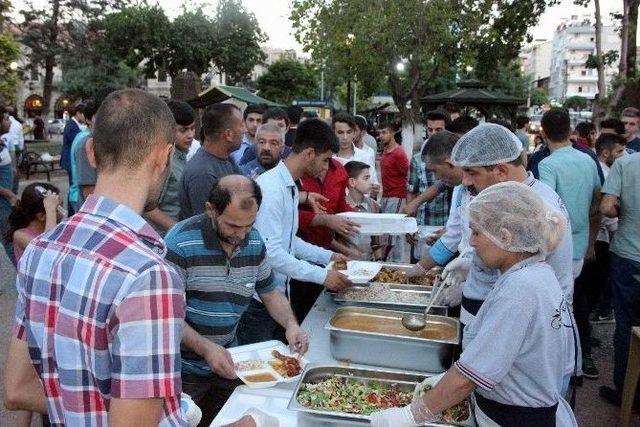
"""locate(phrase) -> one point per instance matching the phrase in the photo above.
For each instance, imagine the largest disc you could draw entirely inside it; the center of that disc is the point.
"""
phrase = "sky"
(273, 16)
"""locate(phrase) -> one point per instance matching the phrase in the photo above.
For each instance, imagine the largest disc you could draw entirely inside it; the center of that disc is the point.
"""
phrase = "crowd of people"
(173, 250)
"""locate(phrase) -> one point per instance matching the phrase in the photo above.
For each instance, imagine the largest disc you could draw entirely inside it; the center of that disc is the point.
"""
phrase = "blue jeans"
(256, 324)
(625, 282)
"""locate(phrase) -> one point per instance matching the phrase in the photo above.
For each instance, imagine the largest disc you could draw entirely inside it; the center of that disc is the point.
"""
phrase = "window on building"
(591, 39)
(34, 72)
(584, 72)
(580, 89)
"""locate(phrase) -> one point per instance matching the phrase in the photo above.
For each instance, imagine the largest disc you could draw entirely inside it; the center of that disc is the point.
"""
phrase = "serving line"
(274, 400)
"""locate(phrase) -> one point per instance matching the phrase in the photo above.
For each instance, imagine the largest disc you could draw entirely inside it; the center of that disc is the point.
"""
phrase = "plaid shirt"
(436, 211)
(102, 314)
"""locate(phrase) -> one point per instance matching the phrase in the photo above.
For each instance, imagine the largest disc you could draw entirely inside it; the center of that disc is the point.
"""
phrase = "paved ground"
(590, 409)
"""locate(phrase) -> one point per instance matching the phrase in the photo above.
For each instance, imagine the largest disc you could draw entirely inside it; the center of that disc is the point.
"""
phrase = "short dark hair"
(127, 126)
(294, 112)
(275, 113)
(216, 119)
(361, 122)
(344, 118)
(607, 141)
(439, 146)
(584, 129)
(253, 109)
(504, 123)
(221, 195)
(615, 124)
(77, 108)
(393, 126)
(556, 124)
(101, 93)
(521, 121)
(90, 109)
(354, 168)
(439, 115)
(462, 124)
(451, 107)
(316, 134)
(182, 112)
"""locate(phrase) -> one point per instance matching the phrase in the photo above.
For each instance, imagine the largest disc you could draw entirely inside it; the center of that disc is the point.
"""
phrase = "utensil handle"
(435, 291)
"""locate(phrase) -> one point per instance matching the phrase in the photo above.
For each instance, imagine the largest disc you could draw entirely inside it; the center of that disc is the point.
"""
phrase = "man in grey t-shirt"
(86, 173)
(222, 128)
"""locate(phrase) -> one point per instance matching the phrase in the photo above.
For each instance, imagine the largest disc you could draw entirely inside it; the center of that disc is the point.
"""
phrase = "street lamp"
(400, 67)
(13, 65)
(348, 41)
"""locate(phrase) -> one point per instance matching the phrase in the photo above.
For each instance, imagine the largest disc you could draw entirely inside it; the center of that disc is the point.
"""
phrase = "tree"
(9, 52)
(538, 97)
(46, 31)
(140, 36)
(191, 43)
(237, 38)
(576, 103)
(286, 80)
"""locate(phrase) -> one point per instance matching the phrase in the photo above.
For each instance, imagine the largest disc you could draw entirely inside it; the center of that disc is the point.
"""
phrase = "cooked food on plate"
(339, 394)
(340, 265)
(394, 275)
(286, 366)
(249, 365)
(455, 414)
(261, 377)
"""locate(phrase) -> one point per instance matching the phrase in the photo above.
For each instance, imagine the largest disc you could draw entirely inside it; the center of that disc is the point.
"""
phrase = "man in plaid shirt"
(98, 307)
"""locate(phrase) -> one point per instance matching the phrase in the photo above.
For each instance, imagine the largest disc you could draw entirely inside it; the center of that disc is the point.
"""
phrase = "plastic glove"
(451, 295)
(418, 392)
(416, 271)
(190, 410)
(394, 417)
(262, 419)
(456, 271)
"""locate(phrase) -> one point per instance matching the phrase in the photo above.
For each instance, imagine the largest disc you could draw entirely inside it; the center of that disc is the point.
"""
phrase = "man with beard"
(99, 311)
(252, 117)
(222, 260)
(269, 143)
(289, 255)
(222, 128)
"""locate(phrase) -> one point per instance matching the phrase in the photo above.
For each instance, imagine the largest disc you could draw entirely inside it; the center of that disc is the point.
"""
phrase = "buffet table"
(274, 400)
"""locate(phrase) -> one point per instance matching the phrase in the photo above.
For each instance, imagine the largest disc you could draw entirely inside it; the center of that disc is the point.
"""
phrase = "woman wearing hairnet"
(525, 318)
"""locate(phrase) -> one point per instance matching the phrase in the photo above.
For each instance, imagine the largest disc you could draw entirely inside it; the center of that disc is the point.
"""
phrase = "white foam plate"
(272, 401)
(262, 352)
(383, 223)
(359, 271)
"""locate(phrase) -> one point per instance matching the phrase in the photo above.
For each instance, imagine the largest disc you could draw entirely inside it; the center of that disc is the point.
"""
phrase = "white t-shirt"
(195, 144)
(528, 320)
(5, 149)
(364, 156)
(16, 131)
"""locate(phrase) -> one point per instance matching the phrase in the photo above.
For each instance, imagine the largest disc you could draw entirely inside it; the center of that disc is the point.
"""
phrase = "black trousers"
(303, 295)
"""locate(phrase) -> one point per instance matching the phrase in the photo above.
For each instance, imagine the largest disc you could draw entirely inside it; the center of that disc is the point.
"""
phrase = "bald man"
(223, 262)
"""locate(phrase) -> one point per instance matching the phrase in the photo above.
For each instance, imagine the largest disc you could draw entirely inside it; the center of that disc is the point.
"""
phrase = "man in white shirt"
(365, 139)
(291, 257)
(347, 131)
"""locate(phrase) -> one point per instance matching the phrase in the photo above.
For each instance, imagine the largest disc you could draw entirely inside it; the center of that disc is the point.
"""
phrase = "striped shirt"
(102, 314)
(218, 288)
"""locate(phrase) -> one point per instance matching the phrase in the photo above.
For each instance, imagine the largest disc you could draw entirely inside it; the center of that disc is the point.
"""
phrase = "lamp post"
(348, 42)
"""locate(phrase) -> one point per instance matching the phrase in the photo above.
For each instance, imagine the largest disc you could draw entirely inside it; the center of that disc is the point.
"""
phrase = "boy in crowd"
(368, 248)
(394, 167)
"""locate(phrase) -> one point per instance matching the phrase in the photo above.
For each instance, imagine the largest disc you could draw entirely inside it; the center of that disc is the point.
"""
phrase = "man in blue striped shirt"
(222, 261)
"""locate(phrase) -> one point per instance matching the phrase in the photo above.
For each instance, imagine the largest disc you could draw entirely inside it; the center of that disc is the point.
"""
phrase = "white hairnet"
(486, 145)
(516, 219)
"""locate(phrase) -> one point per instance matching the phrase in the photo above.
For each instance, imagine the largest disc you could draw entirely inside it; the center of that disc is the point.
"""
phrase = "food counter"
(275, 400)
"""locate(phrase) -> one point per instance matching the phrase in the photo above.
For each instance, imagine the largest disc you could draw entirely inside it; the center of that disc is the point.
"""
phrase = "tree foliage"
(237, 38)
(538, 97)
(9, 52)
(286, 80)
(434, 40)
(576, 103)
(191, 43)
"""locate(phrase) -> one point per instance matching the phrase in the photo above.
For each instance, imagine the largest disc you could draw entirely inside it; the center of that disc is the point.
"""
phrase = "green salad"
(339, 394)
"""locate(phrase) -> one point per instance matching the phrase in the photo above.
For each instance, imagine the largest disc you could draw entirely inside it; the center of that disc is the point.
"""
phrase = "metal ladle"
(415, 322)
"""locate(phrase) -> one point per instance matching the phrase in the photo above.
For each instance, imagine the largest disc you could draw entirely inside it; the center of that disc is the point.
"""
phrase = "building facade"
(536, 61)
(573, 42)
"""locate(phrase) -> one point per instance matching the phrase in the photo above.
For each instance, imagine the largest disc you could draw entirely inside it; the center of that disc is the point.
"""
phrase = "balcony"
(581, 79)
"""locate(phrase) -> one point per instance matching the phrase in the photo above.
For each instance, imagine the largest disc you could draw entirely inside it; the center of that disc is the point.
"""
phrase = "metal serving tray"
(314, 374)
(415, 307)
(400, 351)
(406, 268)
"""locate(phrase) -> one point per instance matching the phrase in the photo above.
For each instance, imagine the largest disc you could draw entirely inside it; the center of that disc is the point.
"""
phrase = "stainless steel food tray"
(406, 268)
(313, 374)
(411, 353)
(417, 290)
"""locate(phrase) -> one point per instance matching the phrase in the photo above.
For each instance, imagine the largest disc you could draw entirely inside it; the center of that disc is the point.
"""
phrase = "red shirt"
(394, 167)
(333, 188)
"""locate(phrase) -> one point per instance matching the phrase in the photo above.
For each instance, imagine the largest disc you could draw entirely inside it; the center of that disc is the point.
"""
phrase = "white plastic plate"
(383, 223)
(359, 272)
(262, 352)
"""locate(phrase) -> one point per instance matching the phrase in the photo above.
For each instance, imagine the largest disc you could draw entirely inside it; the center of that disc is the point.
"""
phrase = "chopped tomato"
(372, 398)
